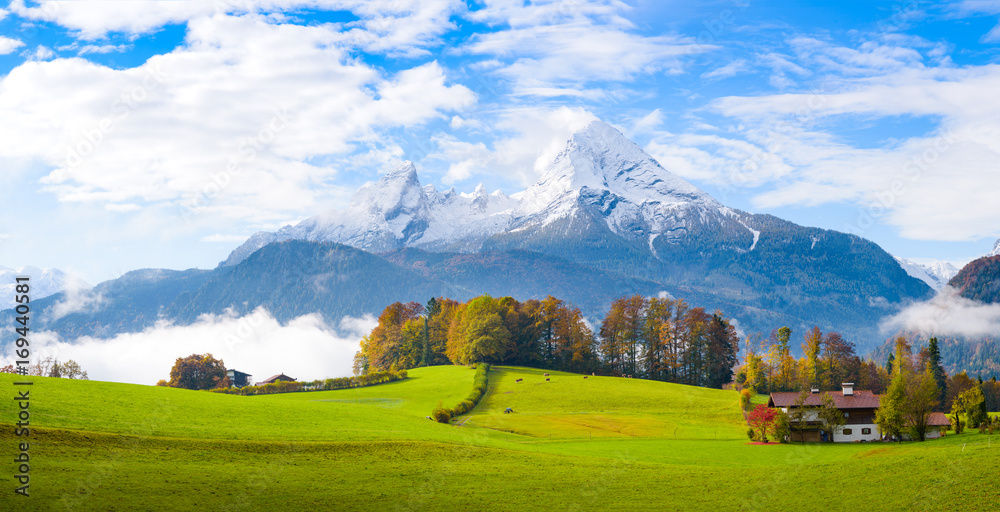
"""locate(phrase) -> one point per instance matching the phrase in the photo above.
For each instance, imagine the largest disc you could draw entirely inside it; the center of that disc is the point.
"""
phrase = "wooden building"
(858, 407)
(238, 379)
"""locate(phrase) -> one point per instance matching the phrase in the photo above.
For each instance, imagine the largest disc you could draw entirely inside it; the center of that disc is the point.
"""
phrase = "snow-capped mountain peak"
(44, 282)
(598, 158)
(398, 189)
(996, 249)
(600, 179)
(936, 274)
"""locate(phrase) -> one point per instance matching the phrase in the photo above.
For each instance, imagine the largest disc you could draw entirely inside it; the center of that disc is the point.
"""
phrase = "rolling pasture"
(570, 444)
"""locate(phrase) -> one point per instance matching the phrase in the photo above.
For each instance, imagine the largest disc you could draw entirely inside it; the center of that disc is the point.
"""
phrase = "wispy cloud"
(8, 45)
(562, 49)
(404, 27)
(729, 70)
(526, 140)
(78, 297)
(947, 314)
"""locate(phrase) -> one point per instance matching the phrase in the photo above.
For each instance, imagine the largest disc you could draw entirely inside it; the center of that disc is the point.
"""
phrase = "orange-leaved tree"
(197, 371)
(761, 420)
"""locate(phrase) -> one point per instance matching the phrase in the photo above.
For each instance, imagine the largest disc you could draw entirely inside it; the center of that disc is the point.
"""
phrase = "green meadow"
(570, 444)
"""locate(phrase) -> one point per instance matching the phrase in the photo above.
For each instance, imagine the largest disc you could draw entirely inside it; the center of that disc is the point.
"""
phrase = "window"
(866, 431)
(848, 431)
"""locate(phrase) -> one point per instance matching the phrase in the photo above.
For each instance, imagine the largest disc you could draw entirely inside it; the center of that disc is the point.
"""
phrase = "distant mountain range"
(979, 280)
(604, 220)
(44, 282)
(936, 274)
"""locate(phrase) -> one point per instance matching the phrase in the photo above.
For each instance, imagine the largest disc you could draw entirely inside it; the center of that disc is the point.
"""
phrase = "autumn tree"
(69, 370)
(478, 333)
(969, 403)
(891, 406)
(830, 415)
(761, 419)
(801, 414)
(756, 379)
(921, 400)
(783, 358)
(811, 347)
(838, 360)
(197, 371)
(958, 384)
(395, 343)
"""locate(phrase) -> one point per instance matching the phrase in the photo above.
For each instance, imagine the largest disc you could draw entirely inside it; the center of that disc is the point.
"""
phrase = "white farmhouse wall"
(855, 435)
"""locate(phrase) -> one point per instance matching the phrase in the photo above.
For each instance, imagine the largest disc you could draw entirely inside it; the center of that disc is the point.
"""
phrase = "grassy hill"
(572, 444)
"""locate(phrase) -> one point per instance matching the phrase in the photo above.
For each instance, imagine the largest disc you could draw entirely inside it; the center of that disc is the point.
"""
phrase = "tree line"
(828, 360)
(653, 338)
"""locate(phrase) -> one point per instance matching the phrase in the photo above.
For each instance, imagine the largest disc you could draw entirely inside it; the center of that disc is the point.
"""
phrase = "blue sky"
(163, 133)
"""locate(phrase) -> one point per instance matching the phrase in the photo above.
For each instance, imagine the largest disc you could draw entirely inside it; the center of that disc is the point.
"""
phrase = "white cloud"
(947, 314)
(729, 70)
(385, 26)
(104, 48)
(526, 141)
(8, 45)
(932, 186)
(41, 52)
(305, 348)
(78, 297)
(978, 7)
(225, 125)
(556, 49)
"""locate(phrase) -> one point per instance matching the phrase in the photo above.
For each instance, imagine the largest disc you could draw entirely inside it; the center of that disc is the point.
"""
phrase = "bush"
(957, 424)
(752, 434)
(745, 397)
(782, 427)
(440, 414)
(480, 382)
(318, 385)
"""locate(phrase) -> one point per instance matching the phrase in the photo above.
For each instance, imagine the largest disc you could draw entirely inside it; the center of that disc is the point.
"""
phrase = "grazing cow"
(518, 380)
(585, 376)
(545, 374)
(546, 380)
(508, 410)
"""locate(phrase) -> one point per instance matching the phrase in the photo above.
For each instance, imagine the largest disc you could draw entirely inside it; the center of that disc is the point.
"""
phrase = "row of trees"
(282, 386)
(827, 361)
(52, 367)
(914, 392)
(653, 338)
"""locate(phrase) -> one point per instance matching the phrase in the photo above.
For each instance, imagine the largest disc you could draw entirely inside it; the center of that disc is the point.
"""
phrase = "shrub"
(782, 427)
(752, 434)
(957, 424)
(480, 382)
(440, 414)
(745, 397)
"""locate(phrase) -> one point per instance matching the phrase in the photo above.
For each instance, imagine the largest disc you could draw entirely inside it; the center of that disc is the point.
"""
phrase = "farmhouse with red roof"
(858, 407)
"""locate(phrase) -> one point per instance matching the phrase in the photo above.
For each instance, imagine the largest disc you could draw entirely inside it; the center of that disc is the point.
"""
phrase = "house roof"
(938, 419)
(275, 378)
(861, 399)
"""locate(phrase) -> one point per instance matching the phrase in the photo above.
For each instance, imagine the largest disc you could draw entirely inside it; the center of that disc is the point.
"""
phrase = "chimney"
(848, 388)
(815, 391)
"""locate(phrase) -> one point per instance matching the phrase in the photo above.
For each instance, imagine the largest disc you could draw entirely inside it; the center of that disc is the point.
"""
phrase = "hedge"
(357, 381)
(479, 385)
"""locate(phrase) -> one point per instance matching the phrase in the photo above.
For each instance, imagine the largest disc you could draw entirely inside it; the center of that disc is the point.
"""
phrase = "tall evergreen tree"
(937, 370)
